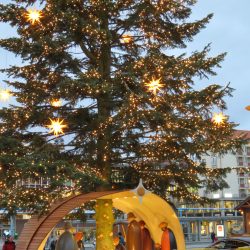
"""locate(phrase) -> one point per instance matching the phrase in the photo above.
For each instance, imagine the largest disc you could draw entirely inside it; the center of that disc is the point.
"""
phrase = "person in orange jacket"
(168, 241)
(165, 238)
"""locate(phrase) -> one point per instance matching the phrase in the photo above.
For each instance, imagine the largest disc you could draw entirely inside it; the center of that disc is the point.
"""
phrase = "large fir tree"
(130, 106)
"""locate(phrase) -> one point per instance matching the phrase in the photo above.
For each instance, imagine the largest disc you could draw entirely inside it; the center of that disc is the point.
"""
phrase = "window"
(229, 204)
(248, 161)
(242, 181)
(248, 150)
(240, 161)
(214, 161)
(240, 151)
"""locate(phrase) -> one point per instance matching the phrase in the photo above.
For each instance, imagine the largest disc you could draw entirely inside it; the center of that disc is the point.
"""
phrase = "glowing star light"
(33, 16)
(56, 103)
(218, 118)
(4, 95)
(154, 86)
(56, 127)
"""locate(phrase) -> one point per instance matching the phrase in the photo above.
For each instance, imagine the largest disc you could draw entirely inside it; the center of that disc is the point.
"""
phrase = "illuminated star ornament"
(56, 103)
(126, 39)
(5, 95)
(218, 118)
(33, 16)
(140, 191)
(56, 126)
(154, 86)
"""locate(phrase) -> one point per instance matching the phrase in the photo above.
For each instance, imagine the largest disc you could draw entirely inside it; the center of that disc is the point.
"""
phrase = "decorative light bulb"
(56, 103)
(4, 95)
(126, 38)
(154, 86)
(247, 108)
(218, 118)
(33, 16)
(56, 126)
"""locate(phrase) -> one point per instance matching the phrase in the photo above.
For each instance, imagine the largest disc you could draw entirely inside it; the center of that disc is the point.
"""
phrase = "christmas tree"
(102, 100)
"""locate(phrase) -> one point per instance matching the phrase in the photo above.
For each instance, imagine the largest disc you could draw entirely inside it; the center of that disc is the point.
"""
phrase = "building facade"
(198, 223)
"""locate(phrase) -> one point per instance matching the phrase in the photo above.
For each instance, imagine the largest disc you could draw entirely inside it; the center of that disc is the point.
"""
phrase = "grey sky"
(229, 31)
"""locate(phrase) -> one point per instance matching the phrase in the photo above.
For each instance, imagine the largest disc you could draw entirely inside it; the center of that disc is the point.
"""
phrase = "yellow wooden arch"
(153, 210)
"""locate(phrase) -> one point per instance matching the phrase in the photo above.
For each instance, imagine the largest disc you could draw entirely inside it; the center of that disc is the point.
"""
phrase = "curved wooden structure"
(152, 210)
(37, 228)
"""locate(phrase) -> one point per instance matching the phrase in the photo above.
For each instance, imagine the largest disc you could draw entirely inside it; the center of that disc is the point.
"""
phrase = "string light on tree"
(154, 86)
(5, 95)
(33, 16)
(126, 39)
(56, 103)
(218, 118)
(56, 127)
(105, 105)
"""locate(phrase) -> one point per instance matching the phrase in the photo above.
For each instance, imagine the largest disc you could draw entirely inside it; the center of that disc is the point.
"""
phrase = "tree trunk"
(104, 225)
(103, 102)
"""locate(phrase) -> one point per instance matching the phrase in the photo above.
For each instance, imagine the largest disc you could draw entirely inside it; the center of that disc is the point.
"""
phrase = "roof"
(244, 204)
(244, 134)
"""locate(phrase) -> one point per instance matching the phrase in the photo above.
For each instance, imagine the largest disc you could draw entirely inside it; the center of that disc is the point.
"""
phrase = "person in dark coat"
(9, 244)
(53, 244)
(173, 243)
(213, 237)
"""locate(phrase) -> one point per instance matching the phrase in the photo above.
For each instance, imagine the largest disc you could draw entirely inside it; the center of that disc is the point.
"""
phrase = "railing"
(206, 212)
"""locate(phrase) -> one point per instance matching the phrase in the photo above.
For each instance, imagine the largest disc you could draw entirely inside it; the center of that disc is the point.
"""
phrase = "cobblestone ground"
(197, 245)
(189, 246)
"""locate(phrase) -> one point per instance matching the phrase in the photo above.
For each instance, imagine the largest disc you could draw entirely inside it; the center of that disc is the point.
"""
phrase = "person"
(9, 244)
(168, 241)
(133, 233)
(213, 237)
(53, 244)
(119, 242)
(121, 239)
(66, 240)
(165, 238)
(80, 244)
(147, 242)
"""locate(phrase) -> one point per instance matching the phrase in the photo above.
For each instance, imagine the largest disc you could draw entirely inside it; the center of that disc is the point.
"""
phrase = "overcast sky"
(229, 31)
